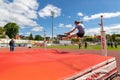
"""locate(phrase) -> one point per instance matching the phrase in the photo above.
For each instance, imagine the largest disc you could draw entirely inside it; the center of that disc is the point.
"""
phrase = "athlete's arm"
(71, 31)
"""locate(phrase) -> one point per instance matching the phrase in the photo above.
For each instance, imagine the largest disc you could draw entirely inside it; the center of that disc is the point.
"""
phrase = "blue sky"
(34, 16)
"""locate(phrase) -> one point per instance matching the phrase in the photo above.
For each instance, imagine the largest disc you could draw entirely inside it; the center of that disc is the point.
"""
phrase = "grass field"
(90, 47)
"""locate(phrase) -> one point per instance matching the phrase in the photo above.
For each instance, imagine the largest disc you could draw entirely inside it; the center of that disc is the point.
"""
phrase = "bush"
(2, 36)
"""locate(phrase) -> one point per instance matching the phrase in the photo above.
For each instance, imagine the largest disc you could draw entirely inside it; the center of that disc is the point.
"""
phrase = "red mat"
(38, 64)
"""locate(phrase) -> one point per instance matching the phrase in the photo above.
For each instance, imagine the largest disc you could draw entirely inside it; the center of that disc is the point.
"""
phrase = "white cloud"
(92, 31)
(113, 29)
(46, 11)
(61, 25)
(69, 26)
(2, 23)
(69, 17)
(20, 33)
(20, 11)
(28, 33)
(80, 14)
(25, 7)
(32, 4)
(37, 29)
(105, 15)
(109, 30)
(65, 26)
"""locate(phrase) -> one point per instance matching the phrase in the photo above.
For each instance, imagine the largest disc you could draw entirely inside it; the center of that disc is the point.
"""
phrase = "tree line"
(12, 29)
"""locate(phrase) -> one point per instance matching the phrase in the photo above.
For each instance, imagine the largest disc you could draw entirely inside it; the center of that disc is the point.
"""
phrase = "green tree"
(11, 29)
(31, 36)
(108, 36)
(74, 40)
(89, 39)
(113, 37)
(38, 37)
(2, 30)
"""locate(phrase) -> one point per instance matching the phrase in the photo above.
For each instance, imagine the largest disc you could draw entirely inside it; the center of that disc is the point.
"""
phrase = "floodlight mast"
(52, 15)
(45, 40)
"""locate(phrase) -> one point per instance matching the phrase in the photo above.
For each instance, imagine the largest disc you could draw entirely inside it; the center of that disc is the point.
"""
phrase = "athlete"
(80, 27)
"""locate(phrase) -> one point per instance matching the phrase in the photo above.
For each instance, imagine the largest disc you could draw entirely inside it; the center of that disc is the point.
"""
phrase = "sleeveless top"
(80, 29)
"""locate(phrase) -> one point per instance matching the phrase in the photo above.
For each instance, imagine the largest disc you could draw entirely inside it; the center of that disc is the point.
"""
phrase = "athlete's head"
(76, 22)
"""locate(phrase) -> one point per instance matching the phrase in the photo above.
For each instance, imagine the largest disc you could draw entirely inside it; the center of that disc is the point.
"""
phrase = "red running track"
(39, 64)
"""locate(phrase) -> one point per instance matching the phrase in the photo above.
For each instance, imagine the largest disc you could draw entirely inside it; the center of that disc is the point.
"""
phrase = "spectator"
(111, 44)
(12, 44)
(115, 44)
(85, 44)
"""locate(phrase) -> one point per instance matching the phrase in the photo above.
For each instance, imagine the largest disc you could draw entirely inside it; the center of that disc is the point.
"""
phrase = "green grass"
(90, 47)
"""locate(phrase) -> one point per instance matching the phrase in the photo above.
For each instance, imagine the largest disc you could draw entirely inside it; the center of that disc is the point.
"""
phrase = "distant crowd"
(112, 44)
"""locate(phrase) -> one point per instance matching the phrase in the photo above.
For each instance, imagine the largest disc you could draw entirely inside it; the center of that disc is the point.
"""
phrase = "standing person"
(12, 44)
(115, 44)
(80, 27)
(85, 44)
(111, 44)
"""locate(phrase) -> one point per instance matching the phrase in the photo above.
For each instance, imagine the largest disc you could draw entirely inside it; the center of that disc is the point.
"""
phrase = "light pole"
(44, 40)
(52, 14)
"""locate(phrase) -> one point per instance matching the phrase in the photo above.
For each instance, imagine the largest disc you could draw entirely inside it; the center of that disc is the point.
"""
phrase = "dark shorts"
(80, 35)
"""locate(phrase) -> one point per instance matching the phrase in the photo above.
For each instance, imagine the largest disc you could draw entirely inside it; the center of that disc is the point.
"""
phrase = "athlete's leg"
(79, 42)
(69, 37)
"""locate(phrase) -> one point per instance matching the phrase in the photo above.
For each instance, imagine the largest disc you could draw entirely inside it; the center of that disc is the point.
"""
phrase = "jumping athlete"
(80, 27)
